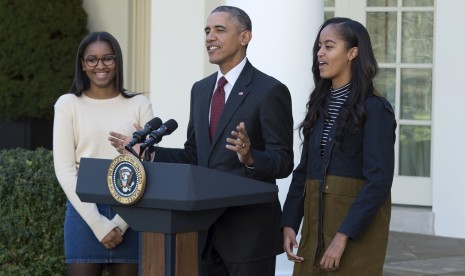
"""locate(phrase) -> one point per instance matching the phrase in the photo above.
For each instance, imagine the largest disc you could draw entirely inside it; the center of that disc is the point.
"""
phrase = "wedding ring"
(243, 145)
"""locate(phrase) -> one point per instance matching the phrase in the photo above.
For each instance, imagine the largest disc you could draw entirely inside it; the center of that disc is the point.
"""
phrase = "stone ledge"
(412, 219)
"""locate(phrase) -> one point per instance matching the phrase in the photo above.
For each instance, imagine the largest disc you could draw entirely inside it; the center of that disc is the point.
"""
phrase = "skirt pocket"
(338, 195)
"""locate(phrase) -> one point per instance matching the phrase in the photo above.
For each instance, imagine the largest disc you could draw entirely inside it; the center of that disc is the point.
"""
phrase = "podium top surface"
(172, 186)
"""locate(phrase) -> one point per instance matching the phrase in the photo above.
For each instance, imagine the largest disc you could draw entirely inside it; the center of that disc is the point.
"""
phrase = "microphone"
(140, 135)
(155, 136)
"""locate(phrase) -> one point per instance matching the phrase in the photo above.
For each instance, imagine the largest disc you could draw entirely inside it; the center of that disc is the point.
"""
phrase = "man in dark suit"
(253, 138)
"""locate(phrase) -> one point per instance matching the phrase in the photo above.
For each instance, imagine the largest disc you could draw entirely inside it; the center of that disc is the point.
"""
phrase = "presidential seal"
(126, 179)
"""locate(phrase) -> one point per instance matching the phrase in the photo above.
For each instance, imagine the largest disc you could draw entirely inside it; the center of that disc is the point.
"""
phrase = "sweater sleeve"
(64, 158)
(145, 115)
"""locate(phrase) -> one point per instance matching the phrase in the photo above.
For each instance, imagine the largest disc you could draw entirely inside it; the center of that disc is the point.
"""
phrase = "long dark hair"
(81, 81)
(363, 68)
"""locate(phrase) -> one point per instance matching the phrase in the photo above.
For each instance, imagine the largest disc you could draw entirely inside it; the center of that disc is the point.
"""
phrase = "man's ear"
(246, 36)
(353, 53)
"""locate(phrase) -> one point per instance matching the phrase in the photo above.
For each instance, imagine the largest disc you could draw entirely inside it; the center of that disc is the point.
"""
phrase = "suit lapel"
(204, 109)
(238, 94)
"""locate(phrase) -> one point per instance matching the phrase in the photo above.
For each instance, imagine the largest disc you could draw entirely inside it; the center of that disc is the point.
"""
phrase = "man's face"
(225, 41)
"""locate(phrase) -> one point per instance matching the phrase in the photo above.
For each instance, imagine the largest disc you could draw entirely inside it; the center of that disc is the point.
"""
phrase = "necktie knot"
(222, 82)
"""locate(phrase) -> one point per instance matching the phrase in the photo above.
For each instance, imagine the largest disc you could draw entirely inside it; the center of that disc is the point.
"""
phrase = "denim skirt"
(81, 245)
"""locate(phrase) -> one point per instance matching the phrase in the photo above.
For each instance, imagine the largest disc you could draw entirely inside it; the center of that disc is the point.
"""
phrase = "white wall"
(177, 61)
(448, 149)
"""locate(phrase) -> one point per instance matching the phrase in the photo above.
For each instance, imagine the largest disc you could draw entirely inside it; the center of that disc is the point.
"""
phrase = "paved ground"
(422, 255)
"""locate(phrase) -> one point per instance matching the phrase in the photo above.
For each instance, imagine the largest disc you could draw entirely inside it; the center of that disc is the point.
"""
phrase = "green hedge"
(38, 43)
(32, 209)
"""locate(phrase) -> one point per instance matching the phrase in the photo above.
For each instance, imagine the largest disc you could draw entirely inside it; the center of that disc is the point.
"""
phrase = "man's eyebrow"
(215, 27)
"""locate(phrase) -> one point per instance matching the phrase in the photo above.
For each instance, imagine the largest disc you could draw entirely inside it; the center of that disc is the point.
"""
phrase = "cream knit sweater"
(81, 129)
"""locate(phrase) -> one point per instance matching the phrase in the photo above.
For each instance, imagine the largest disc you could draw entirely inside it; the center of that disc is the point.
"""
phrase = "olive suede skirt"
(363, 256)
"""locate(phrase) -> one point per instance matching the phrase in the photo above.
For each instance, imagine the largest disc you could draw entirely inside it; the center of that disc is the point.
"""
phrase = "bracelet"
(248, 167)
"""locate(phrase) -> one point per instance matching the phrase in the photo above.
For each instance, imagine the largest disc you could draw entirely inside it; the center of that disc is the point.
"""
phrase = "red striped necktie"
(217, 106)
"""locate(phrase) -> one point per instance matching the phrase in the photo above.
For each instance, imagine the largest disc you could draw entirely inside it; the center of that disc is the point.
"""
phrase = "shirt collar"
(234, 73)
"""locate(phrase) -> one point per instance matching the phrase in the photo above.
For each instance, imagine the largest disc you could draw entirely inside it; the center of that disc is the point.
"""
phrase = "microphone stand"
(131, 150)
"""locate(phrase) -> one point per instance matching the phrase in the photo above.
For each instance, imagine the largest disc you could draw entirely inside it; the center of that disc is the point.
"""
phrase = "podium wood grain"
(154, 255)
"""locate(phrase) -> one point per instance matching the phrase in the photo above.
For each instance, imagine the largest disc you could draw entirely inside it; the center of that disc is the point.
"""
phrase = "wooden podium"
(179, 200)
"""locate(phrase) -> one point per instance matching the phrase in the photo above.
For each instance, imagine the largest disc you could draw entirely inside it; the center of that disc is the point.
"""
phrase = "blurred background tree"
(38, 43)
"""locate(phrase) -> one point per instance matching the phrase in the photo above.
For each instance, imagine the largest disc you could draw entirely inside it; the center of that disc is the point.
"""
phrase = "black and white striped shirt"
(338, 98)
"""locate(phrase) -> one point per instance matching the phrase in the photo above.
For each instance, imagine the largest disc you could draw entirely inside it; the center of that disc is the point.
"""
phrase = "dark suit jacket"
(264, 104)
